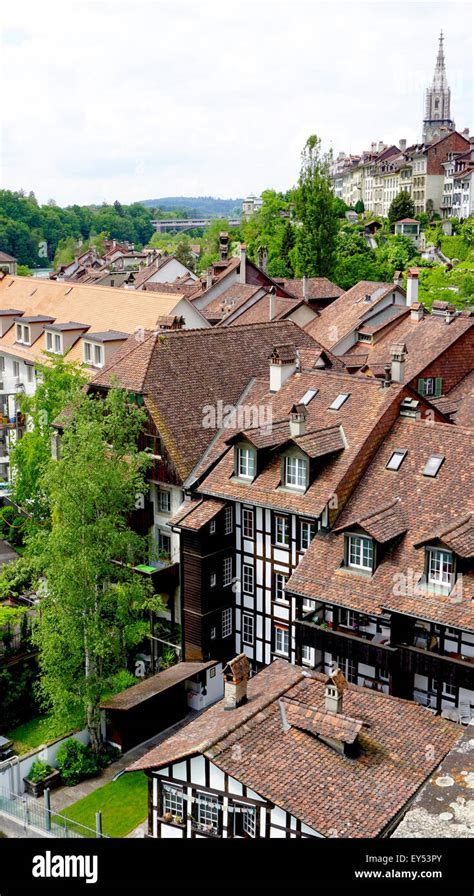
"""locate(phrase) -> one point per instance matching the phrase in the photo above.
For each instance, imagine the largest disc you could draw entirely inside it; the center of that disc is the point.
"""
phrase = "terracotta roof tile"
(342, 316)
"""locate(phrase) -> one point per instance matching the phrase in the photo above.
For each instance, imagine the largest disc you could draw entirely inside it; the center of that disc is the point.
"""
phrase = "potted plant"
(41, 776)
(168, 816)
(179, 819)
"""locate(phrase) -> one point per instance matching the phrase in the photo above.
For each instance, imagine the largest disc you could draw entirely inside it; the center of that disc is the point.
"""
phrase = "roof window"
(396, 460)
(339, 401)
(433, 464)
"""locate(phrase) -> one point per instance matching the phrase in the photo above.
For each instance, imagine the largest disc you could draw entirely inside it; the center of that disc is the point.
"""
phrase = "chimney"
(398, 354)
(450, 314)
(402, 145)
(223, 245)
(388, 376)
(465, 133)
(263, 258)
(271, 303)
(380, 146)
(373, 147)
(298, 415)
(397, 278)
(412, 286)
(305, 287)
(334, 691)
(243, 263)
(236, 675)
(283, 364)
(208, 278)
(417, 311)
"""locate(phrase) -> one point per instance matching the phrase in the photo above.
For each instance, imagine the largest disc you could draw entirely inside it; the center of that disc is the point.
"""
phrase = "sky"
(105, 100)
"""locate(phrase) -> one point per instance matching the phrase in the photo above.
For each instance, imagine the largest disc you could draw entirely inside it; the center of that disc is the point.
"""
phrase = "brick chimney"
(336, 684)
(398, 354)
(412, 286)
(209, 278)
(417, 311)
(283, 364)
(236, 675)
(298, 415)
(271, 303)
(243, 263)
(305, 287)
(223, 245)
(450, 314)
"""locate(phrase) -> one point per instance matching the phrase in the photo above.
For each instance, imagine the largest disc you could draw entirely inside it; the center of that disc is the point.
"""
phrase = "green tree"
(184, 255)
(314, 201)
(359, 207)
(58, 382)
(402, 206)
(93, 611)
(288, 243)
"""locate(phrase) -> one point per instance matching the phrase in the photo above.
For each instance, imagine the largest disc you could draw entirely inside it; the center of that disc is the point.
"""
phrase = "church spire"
(437, 118)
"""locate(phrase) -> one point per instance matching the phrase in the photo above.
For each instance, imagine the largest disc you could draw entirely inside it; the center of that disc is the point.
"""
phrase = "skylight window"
(433, 464)
(339, 401)
(308, 396)
(396, 460)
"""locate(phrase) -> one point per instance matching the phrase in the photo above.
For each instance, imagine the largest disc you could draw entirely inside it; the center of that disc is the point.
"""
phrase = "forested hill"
(197, 205)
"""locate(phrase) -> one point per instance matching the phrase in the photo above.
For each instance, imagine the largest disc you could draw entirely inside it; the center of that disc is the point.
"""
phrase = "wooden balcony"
(447, 668)
(343, 643)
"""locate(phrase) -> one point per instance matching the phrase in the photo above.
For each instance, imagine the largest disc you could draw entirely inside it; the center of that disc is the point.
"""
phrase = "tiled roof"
(259, 311)
(154, 685)
(4, 256)
(367, 404)
(459, 403)
(196, 513)
(180, 374)
(108, 336)
(318, 288)
(297, 771)
(320, 442)
(458, 536)
(322, 723)
(102, 308)
(344, 315)
(383, 523)
(428, 505)
(425, 340)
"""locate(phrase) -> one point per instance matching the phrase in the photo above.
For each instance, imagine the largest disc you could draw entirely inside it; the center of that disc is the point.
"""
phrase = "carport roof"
(156, 684)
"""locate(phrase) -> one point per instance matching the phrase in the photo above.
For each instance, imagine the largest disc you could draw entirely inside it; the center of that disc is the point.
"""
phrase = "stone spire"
(437, 119)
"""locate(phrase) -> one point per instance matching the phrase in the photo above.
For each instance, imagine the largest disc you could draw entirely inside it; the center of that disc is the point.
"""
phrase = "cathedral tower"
(437, 118)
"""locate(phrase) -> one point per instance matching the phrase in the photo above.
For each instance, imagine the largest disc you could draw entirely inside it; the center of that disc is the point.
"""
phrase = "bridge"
(162, 224)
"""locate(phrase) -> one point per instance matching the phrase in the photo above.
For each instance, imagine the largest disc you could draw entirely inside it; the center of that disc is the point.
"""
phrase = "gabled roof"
(180, 373)
(318, 288)
(4, 256)
(196, 513)
(295, 770)
(458, 536)
(383, 523)
(345, 314)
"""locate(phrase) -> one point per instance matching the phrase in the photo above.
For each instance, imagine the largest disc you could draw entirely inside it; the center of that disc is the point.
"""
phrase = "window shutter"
(421, 386)
(438, 386)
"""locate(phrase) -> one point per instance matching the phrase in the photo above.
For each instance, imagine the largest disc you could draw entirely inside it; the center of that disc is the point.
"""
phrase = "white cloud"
(114, 100)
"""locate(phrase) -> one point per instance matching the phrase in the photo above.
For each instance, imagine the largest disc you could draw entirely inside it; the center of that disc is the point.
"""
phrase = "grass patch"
(34, 733)
(123, 803)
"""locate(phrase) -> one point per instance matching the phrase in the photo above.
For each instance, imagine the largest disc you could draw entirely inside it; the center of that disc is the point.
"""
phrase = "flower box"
(37, 788)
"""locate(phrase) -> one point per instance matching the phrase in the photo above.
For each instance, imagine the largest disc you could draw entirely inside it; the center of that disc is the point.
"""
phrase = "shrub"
(39, 771)
(76, 761)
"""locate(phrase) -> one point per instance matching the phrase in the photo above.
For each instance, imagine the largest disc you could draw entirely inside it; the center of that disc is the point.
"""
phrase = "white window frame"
(282, 531)
(19, 333)
(161, 534)
(246, 463)
(30, 373)
(308, 527)
(213, 580)
(16, 369)
(173, 800)
(208, 808)
(282, 638)
(248, 578)
(98, 355)
(248, 629)
(355, 549)
(49, 341)
(280, 589)
(308, 606)
(440, 567)
(227, 626)
(227, 572)
(296, 472)
(212, 527)
(87, 352)
(161, 493)
(248, 522)
(229, 520)
(307, 655)
(58, 348)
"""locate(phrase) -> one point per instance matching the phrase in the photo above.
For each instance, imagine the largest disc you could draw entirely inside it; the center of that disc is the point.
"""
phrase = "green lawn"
(33, 733)
(123, 803)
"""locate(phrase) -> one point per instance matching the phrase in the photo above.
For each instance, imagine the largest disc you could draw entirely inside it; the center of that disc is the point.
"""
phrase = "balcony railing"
(444, 667)
(351, 645)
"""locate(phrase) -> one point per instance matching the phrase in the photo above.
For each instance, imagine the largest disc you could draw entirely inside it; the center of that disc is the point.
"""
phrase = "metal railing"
(38, 816)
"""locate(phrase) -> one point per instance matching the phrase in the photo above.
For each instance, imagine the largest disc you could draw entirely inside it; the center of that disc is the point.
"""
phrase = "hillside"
(197, 205)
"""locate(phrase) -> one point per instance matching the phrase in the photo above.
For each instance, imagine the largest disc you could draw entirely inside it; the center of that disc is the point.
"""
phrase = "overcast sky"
(145, 98)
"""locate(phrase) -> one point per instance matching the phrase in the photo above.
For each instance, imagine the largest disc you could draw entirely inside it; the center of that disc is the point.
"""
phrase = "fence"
(12, 771)
(39, 817)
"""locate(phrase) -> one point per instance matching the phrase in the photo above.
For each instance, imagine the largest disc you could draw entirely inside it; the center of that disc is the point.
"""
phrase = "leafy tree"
(340, 207)
(184, 255)
(58, 382)
(402, 206)
(359, 207)
(93, 611)
(288, 243)
(23, 270)
(314, 201)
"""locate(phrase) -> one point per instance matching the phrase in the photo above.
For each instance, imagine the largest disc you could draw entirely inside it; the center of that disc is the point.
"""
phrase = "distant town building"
(250, 206)
(438, 101)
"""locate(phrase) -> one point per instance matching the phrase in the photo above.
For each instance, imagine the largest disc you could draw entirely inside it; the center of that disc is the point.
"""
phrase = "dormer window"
(360, 552)
(440, 567)
(93, 354)
(296, 472)
(246, 462)
(23, 334)
(54, 343)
